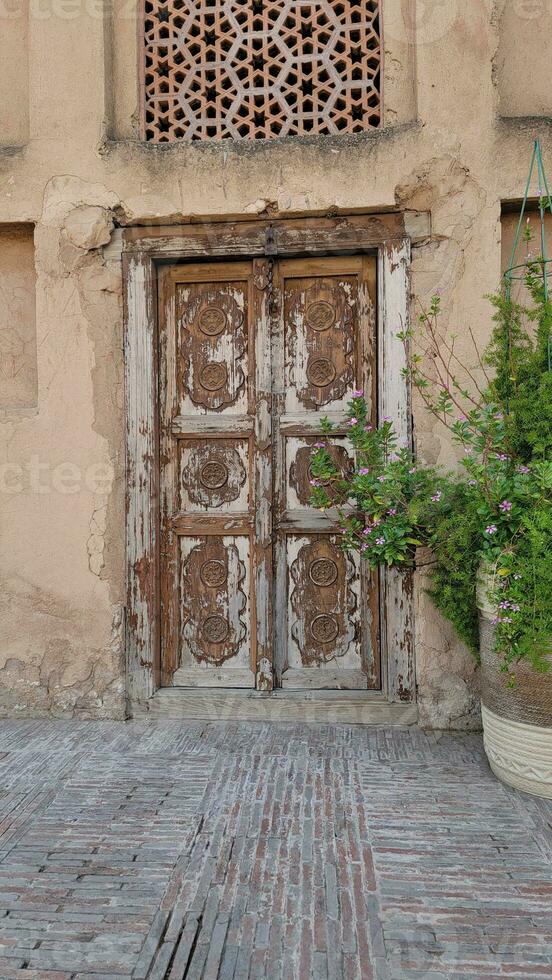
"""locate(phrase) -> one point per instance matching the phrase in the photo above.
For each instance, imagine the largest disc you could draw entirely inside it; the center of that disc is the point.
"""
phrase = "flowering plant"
(512, 506)
(497, 511)
(387, 495)
(503, 516)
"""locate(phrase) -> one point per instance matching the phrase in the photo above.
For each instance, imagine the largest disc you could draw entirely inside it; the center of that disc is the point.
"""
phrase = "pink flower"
(367, 428)
(314, 483)
(380, 540)
(358, 394)
(436, 497)
(367, 530)
(381, 479)
(363, 471)
(386, 418)
(392, 511)
(502, 456)
(353, 421)
(319, 445)
(364, 547)
(491, 529)
(505, 506)
(413, 470)
(523, 469)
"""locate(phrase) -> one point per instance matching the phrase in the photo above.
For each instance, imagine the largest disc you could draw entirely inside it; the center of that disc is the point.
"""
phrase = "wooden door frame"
(144, 249)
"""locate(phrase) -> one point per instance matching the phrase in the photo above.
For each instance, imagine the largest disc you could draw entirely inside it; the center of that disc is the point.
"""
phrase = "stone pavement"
(152, 850)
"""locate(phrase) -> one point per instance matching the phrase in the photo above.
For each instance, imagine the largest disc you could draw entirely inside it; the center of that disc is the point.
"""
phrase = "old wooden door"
(255, 589)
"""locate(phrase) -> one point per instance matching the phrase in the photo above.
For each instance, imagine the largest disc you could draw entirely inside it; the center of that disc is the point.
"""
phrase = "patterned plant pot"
(517, 722)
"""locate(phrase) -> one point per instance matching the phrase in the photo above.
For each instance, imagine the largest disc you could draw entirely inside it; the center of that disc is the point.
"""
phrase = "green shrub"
(497, 511)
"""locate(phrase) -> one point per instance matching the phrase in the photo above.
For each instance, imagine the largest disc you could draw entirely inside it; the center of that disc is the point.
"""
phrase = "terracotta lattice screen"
(259, 69)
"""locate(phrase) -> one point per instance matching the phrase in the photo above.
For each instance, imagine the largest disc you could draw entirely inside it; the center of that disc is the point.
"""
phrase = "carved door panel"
(249, 358)
(323, 349)
(215, 464)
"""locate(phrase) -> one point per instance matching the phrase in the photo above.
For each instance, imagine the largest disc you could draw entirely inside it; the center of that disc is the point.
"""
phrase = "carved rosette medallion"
(215, 629)
(212, 359)
(300, 470)
(213, 475)
(212, 321)
(213, 376)
(324, 629)
(324, 624)
(214, 602)
(320, 372)
(323, 572)
(320, 315)
(213, 573)
(322, 336)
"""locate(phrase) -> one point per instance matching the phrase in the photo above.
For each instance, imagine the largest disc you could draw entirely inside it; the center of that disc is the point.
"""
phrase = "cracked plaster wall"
(446, 150)
(61, 562)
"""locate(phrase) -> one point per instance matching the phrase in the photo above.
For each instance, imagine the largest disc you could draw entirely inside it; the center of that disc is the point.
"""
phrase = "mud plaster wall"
(61, 566)
(446, 151)
(526, 25)
(18, 360)
(14, 77)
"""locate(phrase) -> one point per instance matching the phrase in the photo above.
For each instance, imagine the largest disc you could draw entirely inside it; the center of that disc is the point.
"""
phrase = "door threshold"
(215, 704)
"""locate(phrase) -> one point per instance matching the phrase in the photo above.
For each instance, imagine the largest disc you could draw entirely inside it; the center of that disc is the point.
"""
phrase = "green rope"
(521, 216)
(542, 231)
(545, 203)
(544, 184)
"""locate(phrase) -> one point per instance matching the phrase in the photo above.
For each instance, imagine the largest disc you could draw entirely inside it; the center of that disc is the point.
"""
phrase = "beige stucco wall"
(14, 77)
(18, 353)
(445, 148)
(523, 58)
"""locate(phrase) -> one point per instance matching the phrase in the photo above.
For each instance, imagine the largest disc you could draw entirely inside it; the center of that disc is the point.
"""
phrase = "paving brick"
(166, 851)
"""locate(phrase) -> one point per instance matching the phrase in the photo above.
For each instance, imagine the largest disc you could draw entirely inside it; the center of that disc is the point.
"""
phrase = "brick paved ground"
(253, 851)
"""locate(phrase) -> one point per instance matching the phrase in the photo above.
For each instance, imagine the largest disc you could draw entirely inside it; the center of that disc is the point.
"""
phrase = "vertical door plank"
(369, 380)
(142, 469)
(280, 582)
(262, 295)
(169, 543)
(395, 404)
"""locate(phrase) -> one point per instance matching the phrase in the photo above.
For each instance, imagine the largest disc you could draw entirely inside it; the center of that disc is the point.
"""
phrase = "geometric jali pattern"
(260, 69)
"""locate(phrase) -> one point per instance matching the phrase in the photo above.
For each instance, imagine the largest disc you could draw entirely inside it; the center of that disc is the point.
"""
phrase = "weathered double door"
(255, 588)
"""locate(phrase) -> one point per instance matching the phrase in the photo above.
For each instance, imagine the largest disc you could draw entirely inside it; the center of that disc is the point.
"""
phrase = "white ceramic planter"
(519, 754)
(517, 723)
